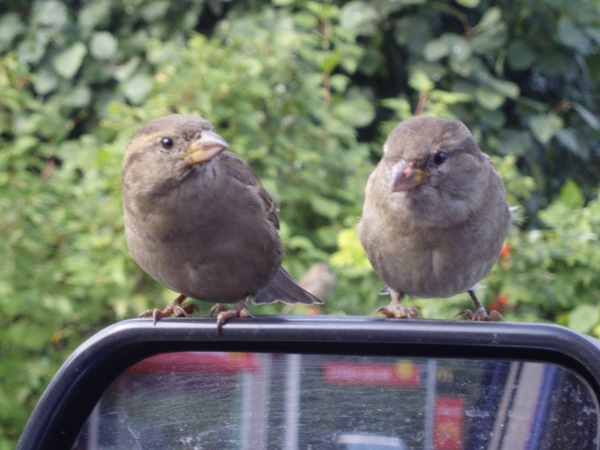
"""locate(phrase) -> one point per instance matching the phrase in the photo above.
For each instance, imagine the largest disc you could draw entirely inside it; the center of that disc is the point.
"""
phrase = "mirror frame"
(76, 388)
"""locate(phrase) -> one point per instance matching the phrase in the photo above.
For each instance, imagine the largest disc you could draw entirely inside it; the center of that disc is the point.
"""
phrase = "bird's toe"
(216, 310)
(240, 310)
(184, 311)
(480, 315)
(174, 308)
(398, 311)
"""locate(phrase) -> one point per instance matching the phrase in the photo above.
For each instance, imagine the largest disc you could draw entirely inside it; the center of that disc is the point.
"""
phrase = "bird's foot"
(395, 309)
(216, 309)
(174, 309)
(480, 314)
(399, 311)
(239, 310)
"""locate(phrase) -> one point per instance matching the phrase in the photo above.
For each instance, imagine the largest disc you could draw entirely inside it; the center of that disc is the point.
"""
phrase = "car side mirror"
(324, 382)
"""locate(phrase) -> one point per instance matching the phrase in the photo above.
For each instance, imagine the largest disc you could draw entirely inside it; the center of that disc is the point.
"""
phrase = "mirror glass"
(212, 400)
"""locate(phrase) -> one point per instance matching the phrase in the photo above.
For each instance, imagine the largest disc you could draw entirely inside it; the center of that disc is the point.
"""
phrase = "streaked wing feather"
(244, 174)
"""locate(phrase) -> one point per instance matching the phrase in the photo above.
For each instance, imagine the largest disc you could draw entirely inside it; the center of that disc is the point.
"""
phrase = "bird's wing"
(242, 172)
(285, 289)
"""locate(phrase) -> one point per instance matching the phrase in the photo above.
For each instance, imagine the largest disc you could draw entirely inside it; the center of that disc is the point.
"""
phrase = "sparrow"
(198, 221)
(435, 215)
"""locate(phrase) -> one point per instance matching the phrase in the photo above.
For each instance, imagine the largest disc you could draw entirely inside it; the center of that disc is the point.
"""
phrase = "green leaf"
(357, 110)
(46, 81)
(77, 97)
(50, 13)
(420, 82)
(137, 87)
(103, 45)
(590, 118)
(325, 207)
(32, 49)
(489, 98)
(489, 40)
(68, 62)
(360, 18)
(28, 335)
(414, 32)
(506, 88)
(450, 98)
(491, 17)
(469, 3)
(571, 196)
(468, 68)
(400, 105)
(339, 82)
(152, 11)
(490, 33)
(93, 14)
(434, 71)
(388, 7)
(494, 118)
(436, 49)
(545, 126)
(10, 27)
(124, 71)
(584, 317)
(569, 34)
(570, 139)
(330, 61)
(520, 55)
(459, 49)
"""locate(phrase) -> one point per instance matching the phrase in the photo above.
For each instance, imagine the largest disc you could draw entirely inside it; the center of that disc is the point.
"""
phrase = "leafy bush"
(551, 272)
(306, 93)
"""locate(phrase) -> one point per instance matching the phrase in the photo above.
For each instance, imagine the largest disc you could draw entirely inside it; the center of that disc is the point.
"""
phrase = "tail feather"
(285, 289)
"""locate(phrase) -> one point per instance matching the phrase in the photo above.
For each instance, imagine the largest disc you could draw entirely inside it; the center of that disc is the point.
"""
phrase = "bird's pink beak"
(205, 148)
(405, 176)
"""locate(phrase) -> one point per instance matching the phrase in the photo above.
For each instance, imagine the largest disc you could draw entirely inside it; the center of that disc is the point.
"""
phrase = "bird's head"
(429, 151)
(165, 150)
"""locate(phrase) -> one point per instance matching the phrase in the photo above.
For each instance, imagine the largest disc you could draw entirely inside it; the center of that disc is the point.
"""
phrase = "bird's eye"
(440, 157)
(166, 143)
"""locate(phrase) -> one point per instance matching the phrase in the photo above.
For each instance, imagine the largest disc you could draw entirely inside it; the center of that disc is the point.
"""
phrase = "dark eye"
(166, 143)
(440, 157)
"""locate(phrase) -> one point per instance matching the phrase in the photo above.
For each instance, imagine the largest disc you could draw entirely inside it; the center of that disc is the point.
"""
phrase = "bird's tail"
(285, 289)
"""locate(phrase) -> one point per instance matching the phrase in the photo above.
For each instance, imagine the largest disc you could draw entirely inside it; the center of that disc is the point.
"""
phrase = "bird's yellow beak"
(209, 145)
(406, 175)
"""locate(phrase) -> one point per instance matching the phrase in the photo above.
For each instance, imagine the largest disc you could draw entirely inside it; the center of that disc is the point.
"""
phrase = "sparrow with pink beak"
(435, 214)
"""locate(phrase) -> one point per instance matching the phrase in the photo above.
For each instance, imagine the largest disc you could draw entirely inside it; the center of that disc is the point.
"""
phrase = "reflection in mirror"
(208, 400)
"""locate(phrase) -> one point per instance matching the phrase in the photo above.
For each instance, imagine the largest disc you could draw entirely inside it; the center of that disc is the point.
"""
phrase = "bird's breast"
(210, 249)
(427, 262)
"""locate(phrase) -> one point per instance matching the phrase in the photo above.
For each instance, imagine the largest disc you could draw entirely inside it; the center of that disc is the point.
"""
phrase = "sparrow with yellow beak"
(198, 221)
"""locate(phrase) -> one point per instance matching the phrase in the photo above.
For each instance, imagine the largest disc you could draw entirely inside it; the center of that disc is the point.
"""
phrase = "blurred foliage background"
(306, 92)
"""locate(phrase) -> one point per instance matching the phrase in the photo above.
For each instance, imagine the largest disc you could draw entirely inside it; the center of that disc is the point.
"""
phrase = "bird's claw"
(156, 314)
(480, 315)
(184, 311)
(174, 309)
(395, 309)
(216, 309)
(240, 310)
(399, 311)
